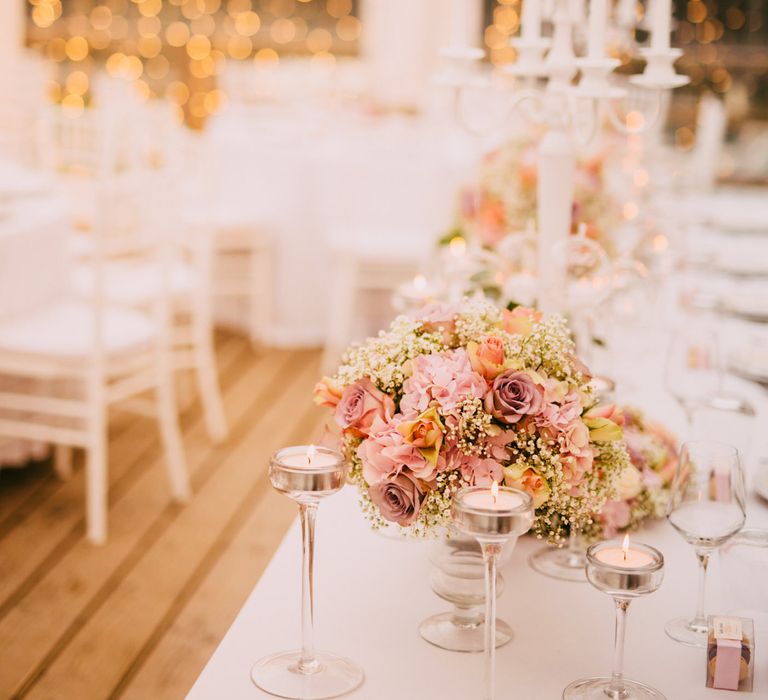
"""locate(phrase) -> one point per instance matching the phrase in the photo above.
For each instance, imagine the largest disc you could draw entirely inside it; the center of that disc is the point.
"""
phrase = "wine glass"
(693, 370)
(707, 507)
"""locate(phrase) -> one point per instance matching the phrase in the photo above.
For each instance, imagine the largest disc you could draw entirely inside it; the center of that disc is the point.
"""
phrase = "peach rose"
(487, 358)
(520, 320)
(326, 393)
(526, 479)
(425, 433)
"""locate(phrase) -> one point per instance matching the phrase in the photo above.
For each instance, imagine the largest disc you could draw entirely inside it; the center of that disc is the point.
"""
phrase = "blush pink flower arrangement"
(643, 487)
(464, 395)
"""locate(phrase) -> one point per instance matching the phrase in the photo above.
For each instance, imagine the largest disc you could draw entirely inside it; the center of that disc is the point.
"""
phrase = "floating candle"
(624, 557)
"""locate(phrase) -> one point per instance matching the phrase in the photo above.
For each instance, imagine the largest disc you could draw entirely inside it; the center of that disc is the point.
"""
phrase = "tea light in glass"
(495, 517)
(624, 571)
(307, 474)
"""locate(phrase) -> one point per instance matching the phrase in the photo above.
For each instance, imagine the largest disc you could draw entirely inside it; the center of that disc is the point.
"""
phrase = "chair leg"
(62, 462)
(259, 295)
(170, 435)
(208, 386)
(96, 482)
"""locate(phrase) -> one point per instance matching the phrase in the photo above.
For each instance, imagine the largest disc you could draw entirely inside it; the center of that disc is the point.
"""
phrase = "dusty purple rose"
(513, 396)
(398, 499)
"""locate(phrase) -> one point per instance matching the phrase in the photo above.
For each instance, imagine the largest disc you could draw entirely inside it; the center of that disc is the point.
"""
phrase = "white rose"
(630, 483)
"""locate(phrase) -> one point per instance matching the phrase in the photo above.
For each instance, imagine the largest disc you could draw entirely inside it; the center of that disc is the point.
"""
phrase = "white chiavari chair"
(94, 354)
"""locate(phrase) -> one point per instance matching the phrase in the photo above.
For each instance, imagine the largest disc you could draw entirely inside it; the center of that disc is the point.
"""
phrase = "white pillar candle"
(531, 19)
(661, 24)
(460, 22)
(598, 16)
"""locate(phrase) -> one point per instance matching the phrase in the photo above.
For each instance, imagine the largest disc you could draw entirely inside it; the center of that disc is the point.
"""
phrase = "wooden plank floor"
(139, 617)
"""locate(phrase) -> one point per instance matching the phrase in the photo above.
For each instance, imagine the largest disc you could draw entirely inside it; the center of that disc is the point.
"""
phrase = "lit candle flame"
(625, 546)
(311, 454)
(494, 492)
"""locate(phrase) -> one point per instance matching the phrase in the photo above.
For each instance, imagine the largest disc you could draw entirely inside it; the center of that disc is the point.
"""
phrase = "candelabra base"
(280, 675)
(600, 689)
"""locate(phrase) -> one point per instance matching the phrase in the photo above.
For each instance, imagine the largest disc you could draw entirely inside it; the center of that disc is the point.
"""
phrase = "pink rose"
(385, 454)
(615, 516)
(446, 378)
(326, 393)
(360, 404)
(487, 358)
(398, 499)
(514, 395)
(439, 318)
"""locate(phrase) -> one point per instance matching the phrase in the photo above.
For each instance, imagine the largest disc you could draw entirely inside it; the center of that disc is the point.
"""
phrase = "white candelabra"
(545, 93)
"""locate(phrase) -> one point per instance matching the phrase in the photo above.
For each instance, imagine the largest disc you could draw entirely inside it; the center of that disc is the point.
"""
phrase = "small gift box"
(730, 653)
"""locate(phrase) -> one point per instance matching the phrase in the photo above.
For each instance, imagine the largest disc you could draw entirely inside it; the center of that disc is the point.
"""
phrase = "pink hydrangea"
(445, 377)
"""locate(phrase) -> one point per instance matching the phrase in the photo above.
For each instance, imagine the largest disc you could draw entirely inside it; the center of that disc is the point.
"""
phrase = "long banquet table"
(372, 591)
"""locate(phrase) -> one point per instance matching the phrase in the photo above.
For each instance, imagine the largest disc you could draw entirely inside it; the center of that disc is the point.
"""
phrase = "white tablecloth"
(372, 592)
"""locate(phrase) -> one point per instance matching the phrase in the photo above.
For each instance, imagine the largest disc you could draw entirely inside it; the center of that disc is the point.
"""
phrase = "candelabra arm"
(644, 125)
(519, 99)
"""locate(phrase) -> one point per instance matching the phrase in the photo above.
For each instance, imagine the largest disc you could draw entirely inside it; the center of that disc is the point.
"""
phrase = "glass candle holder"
(307, 474)
(623, 572)
(565, 562)
(495, 517)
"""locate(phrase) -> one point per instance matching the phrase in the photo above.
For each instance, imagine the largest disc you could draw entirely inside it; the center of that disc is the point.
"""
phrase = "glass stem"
(617, 690)
(575, 549)
(307, 662)
(491, 551)
(700, 619)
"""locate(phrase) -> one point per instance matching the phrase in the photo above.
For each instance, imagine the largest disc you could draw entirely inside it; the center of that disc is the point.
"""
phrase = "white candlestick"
(484, 500)
(661, 24)
(598, 17)
(627, 13)
(460, 21)
(531, 19)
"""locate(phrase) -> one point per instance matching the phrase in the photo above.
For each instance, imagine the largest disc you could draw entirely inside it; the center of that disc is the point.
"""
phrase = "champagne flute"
(693, 370)
(707, 507)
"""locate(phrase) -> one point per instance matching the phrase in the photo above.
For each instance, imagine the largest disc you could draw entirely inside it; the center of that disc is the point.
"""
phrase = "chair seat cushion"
(136, 283)
(65, 330)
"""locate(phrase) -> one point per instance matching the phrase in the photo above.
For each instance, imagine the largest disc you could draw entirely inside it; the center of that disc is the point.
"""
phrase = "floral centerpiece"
(469, 394)
(644, 486)
(504, 198)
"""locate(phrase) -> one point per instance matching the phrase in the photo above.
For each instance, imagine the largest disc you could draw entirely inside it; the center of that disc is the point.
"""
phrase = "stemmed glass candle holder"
(707, 507)
(307, 475)
(494, 517)
(624, 572)
(565, 563)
